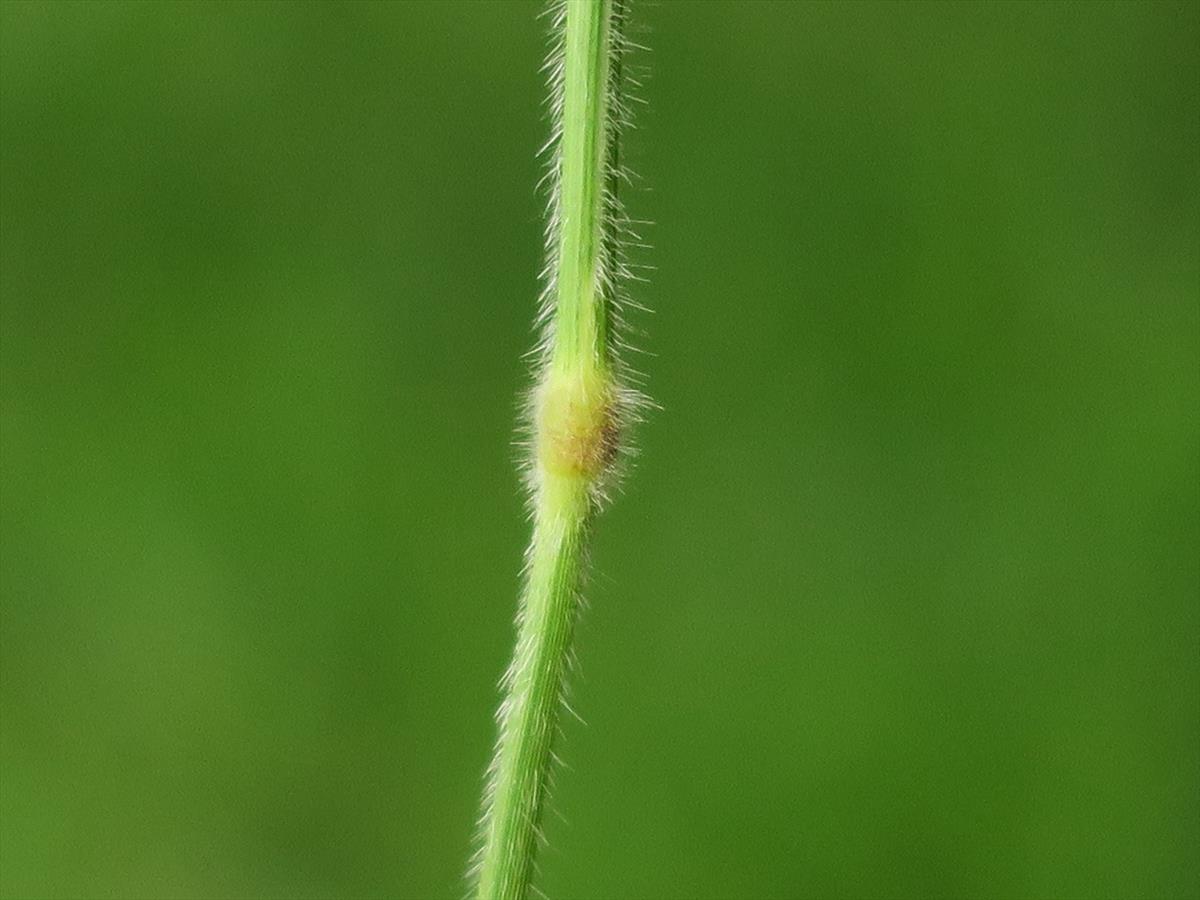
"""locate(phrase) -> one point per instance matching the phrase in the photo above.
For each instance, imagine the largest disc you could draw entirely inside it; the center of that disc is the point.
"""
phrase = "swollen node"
(577, 426)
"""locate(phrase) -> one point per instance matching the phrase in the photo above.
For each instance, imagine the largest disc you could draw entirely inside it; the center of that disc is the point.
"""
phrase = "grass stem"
(576, 415)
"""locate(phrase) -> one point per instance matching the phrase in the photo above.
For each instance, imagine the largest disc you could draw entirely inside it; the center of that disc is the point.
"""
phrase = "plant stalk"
(575, 426)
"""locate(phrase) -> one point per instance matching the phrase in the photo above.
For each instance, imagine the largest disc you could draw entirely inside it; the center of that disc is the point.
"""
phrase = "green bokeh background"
(902, 600)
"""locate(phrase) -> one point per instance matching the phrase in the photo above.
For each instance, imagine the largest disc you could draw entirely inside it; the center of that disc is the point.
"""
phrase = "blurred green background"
(903, 598)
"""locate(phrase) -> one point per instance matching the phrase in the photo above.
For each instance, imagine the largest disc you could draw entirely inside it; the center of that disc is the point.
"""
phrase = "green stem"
(579, 326)
(575, 426)
(530, 710)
